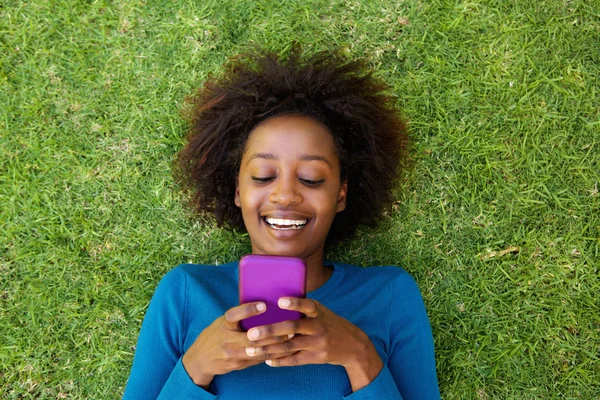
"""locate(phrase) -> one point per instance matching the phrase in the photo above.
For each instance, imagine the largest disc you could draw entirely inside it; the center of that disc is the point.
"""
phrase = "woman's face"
(289, 187)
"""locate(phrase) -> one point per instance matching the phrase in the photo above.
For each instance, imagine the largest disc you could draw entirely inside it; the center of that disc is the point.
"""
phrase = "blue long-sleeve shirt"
(384, 302)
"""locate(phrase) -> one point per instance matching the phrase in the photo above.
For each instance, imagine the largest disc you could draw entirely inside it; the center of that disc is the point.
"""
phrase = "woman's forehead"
(291, 135)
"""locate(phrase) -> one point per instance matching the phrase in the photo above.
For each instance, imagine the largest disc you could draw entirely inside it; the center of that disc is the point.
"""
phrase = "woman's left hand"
(323, 337)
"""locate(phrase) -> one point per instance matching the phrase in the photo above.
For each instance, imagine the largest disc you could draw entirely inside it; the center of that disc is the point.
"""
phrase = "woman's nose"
(285, 193)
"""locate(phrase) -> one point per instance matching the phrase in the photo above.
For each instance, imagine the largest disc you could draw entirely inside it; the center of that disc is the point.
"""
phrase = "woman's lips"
(285, 224)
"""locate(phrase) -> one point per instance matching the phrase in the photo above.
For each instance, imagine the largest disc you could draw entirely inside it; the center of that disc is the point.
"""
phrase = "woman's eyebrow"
(302, 157)
(310, 157)
(266, 156)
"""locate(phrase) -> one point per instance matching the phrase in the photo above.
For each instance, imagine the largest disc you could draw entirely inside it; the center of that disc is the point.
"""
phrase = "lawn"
(499, 221)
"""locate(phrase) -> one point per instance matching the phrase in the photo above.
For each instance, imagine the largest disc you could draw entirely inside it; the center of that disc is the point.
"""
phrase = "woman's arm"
(157, 370)
(163, 368)
(412, 358)
(410, 370)
(324, 337)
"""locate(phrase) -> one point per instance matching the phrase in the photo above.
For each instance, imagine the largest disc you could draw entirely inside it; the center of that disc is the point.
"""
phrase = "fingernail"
(269, 363)
(261, 307)
(253, 334)
(250, 351)
(291, 335)
(284, 303)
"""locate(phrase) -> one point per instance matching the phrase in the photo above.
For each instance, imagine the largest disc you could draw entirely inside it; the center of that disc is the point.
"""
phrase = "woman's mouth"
(285, 224)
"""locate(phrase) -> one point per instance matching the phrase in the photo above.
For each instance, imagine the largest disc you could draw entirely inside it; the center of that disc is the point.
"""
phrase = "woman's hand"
(323, 337)
(221, 347)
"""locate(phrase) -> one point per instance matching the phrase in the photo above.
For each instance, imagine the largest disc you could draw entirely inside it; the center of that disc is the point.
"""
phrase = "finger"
(307, 307)
(235, 348)
(299, 358)
(299, 343)
(269, 340)
(243, 364)
(267, 356)
(285, 328)
(243, 311)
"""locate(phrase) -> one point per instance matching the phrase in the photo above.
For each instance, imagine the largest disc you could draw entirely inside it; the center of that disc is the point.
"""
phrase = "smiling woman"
(370, 139)
(298, 153)
(289, 188)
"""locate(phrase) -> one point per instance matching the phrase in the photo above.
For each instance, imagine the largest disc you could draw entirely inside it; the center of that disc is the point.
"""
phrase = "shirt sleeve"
(157, 370)
(410, 371)
(382, 387)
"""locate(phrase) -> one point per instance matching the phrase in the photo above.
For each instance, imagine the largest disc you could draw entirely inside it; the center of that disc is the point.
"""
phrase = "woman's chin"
(284, 249)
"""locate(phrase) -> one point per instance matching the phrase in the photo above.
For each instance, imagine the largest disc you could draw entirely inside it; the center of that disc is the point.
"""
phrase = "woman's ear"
(341, 201)
(236, 199)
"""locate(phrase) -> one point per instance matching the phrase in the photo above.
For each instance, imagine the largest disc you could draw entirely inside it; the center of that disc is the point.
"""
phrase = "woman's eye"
(311, 182)
(262, 179)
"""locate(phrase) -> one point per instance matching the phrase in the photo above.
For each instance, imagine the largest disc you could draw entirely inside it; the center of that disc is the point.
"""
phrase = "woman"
(298, 153)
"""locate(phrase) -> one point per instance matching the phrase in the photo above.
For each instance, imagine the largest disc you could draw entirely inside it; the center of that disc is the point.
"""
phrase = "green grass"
(502, 97)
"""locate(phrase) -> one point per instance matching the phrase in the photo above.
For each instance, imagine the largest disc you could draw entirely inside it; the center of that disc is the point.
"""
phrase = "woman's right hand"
(221, 347)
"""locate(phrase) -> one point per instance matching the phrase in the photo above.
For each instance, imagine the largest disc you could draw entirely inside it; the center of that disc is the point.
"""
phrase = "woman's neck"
(316, 272)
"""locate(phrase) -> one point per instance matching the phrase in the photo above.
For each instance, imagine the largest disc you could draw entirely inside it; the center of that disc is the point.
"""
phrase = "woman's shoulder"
(206, 269)
(376, 271)
(184, 273)
(396, 279)
(389, 292)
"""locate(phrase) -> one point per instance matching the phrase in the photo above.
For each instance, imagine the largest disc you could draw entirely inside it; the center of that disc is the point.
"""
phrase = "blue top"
(384, 302)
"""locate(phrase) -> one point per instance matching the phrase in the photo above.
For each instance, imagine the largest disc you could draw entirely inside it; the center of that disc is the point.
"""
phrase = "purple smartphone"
(267, 278)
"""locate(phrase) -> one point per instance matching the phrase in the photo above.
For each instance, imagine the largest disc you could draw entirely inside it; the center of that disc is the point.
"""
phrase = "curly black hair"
(370, 137)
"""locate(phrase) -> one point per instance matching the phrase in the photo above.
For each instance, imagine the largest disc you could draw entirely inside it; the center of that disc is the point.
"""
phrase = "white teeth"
(286, 222)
